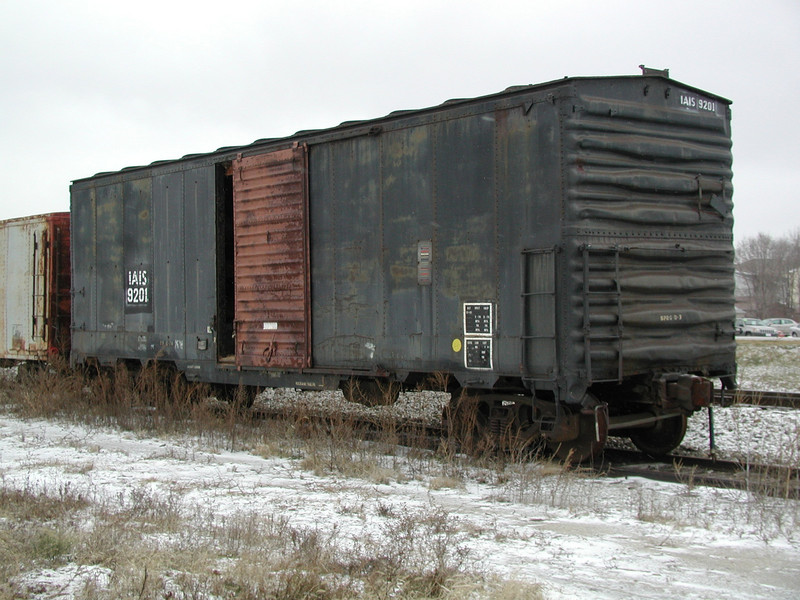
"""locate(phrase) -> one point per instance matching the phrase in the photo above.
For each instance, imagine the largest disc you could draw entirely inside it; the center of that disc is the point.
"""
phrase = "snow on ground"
(581, 537)
(768, 364)
(751, 434)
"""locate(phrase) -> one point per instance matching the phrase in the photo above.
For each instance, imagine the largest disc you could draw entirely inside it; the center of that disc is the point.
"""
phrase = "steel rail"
(759, 398)
(771, 480)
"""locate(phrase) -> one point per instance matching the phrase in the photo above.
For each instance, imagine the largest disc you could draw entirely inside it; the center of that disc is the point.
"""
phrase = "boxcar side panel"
(200, 278)
(130, 272)
(168, 271)
(534, 215)
(109, 255)
(527, 196)
(136, 294)
(408, 221)
(346, 253)
(465, 243)
(84, 273)
(461, 189)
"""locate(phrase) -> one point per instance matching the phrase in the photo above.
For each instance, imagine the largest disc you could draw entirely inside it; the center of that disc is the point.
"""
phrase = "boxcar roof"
(398, 114)
(35, 218)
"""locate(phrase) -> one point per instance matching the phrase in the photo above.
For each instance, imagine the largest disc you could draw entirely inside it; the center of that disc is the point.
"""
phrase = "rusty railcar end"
(35, 294)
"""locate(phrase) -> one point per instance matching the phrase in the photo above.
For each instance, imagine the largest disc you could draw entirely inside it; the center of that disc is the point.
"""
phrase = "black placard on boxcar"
(138, 289)
(478, 353)
(477, 318)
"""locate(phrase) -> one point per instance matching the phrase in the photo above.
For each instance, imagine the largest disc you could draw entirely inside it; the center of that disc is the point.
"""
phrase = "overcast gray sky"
(90, 86)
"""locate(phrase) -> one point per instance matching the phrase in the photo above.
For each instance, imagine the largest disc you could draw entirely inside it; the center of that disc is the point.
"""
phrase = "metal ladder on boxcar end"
(615, 295)
(538, 306)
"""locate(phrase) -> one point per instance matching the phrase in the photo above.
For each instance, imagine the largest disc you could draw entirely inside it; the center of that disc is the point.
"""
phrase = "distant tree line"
(768, 275)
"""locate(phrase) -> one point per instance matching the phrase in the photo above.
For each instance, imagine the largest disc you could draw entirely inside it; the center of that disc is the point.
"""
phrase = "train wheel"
(590, 441)
(661, 438)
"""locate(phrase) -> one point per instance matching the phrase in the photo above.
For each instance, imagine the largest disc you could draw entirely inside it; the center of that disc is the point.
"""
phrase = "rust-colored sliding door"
(270, 204)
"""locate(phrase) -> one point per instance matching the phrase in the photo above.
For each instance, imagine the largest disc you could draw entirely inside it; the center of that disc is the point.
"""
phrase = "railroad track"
(759, 398)
(772, 480)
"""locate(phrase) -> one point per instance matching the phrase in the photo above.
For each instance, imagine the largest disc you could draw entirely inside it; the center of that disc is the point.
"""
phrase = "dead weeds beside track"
(777, 480)
(147, 403)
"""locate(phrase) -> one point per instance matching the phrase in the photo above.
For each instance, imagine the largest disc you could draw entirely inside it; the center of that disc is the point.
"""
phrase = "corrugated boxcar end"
(649, 218)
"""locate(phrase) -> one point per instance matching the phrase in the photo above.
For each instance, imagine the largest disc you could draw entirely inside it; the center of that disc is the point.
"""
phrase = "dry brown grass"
(143, 545)
(146, 547)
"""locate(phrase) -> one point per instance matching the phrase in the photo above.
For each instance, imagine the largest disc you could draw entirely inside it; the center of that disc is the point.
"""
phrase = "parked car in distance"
(781, 324)
(755, 327)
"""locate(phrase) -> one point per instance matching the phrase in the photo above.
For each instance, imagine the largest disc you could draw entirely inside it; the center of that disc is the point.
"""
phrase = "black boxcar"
(564, 250)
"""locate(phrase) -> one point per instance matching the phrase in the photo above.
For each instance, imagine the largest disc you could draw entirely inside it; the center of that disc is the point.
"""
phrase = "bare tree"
(794, 270)
(770, 270)
(753, 256)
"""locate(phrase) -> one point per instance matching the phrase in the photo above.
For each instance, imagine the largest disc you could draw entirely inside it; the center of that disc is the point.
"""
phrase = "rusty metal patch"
(59, 284)
(270, 200)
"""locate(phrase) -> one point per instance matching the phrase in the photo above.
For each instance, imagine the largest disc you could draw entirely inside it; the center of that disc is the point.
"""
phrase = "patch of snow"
(587, 537)
(64, 583)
